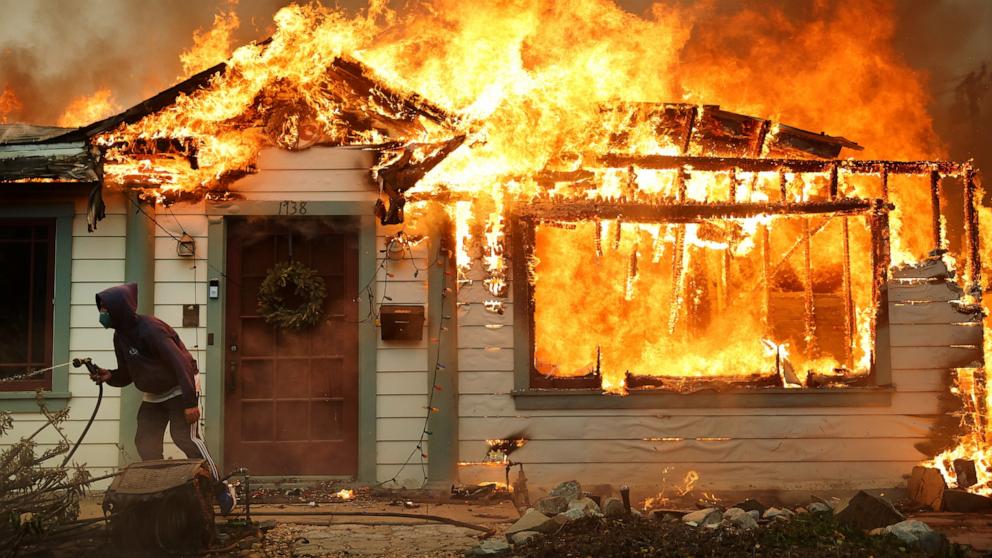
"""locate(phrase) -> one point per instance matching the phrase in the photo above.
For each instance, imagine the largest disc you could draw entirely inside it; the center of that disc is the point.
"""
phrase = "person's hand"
(100, 376)
(192, 415)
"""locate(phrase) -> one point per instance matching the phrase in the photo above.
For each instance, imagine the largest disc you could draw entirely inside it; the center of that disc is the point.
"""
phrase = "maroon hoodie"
(149, 352)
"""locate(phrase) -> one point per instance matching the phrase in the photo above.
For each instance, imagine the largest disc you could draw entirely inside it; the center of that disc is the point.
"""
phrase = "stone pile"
(567, 503)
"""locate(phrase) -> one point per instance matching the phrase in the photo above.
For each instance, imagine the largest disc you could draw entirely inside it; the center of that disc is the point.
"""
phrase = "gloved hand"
(100, 375)
(192, 415)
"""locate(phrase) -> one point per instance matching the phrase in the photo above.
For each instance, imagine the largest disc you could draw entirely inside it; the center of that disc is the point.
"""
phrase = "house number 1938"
(292, 208)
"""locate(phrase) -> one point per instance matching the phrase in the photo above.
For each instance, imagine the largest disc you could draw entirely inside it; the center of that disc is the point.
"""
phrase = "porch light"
(186, 248)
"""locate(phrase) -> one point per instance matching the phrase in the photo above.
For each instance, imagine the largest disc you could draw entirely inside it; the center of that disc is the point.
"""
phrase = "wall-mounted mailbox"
(401, 322)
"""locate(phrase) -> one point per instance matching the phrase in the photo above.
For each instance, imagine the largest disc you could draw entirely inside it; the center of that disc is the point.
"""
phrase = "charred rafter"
(749, 164)
(686, 211)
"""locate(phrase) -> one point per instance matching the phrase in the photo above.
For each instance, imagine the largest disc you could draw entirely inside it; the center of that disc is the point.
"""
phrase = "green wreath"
(292, 296)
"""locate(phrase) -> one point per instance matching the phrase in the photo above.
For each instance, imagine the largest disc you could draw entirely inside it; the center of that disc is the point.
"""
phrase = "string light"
(441, 259)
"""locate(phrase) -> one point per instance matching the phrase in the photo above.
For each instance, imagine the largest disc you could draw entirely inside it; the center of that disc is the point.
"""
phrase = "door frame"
(217, 213)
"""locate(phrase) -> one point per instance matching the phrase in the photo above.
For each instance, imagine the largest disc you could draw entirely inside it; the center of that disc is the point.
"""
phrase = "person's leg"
(187, 436)
(152, 419)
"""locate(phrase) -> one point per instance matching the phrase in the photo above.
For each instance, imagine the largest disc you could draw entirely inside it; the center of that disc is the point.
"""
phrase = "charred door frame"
(216, 312)
(531, 392)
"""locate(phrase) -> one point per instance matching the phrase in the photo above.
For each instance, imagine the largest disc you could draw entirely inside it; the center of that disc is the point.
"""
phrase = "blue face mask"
(105, 320)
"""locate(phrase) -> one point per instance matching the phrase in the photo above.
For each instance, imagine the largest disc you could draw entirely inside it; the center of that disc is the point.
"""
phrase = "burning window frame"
(523, 217)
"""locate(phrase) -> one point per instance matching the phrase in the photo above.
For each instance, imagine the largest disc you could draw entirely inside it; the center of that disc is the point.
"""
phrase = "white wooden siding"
(97, 263)
(731, 448)
(181, 281)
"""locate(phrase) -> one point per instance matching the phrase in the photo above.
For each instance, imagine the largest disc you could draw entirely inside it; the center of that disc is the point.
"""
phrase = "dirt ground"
(350, 536)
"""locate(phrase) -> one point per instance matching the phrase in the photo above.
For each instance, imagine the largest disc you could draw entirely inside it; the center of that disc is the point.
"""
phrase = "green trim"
(139, 267)
(442, 464)
(367, 333)
(882, 366)
(62, 304)
(367, 352)
(27, 401)
(58, 398)
(735, 399)
(216, 308)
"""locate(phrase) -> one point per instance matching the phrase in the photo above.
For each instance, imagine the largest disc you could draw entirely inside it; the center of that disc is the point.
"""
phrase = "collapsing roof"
(27, 154)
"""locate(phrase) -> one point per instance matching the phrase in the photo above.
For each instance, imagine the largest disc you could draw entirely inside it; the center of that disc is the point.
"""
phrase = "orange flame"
(550, 86)
(89, 108)
(9, 103)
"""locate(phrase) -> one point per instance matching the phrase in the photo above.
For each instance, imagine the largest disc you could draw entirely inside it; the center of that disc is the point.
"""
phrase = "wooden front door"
(291, 396)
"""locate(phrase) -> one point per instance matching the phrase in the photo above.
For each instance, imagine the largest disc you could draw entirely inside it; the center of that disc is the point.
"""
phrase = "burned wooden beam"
(750, 164)
(686, 211)
(850, 324)
(971, 230)
(809, 306)
(935, 209)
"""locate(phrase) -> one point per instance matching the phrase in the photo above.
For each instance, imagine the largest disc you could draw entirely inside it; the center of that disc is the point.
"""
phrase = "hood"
(122, 303)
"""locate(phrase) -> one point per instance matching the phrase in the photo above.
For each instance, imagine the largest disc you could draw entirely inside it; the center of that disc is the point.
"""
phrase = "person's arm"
(118, 377)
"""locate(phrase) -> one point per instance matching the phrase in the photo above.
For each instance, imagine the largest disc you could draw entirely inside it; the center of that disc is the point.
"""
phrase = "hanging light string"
(441, 259)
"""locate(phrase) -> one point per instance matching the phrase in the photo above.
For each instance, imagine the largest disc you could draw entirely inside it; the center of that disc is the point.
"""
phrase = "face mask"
(105, 320)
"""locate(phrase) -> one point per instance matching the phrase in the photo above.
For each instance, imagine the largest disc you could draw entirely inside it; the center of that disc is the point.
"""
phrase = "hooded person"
(152, 357)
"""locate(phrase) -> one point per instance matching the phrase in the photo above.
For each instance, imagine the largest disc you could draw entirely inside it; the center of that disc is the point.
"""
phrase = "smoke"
(951, 41)
(53, 52)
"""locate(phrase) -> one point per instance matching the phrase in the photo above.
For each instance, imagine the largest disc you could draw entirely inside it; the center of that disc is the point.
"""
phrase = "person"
(151, 355)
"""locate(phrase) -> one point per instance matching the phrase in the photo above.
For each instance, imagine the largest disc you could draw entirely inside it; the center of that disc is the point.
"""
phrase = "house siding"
(97, 263)
(815, 448)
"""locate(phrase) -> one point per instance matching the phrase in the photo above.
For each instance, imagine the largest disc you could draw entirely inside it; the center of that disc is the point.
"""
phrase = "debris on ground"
(807, 535)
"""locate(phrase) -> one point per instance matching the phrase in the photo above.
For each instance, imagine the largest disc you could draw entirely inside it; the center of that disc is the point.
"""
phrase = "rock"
(570, 515)
(916, 533)
(955, 500)
(865, 512)
(524, 536)
(587, 505)
(613, 507)
(704, 517)
(668, 515)
(801, 510)
(599, 491)
(965, 473)
(490, 547)
(755, 514)
(819, 507)
(749, 504)
(532, 520)
(570, 490)
(780, 514)
(740, 519)
(926, 487)
(551, 505)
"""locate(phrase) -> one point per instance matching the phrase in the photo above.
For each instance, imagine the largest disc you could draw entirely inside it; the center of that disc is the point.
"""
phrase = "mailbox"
(401, 322)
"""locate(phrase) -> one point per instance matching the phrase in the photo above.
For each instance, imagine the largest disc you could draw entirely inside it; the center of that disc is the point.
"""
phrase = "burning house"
(649, 291)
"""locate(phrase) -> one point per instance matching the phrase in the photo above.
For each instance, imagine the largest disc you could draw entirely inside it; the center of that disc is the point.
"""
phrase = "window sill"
(534, 399)
(26, 401)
